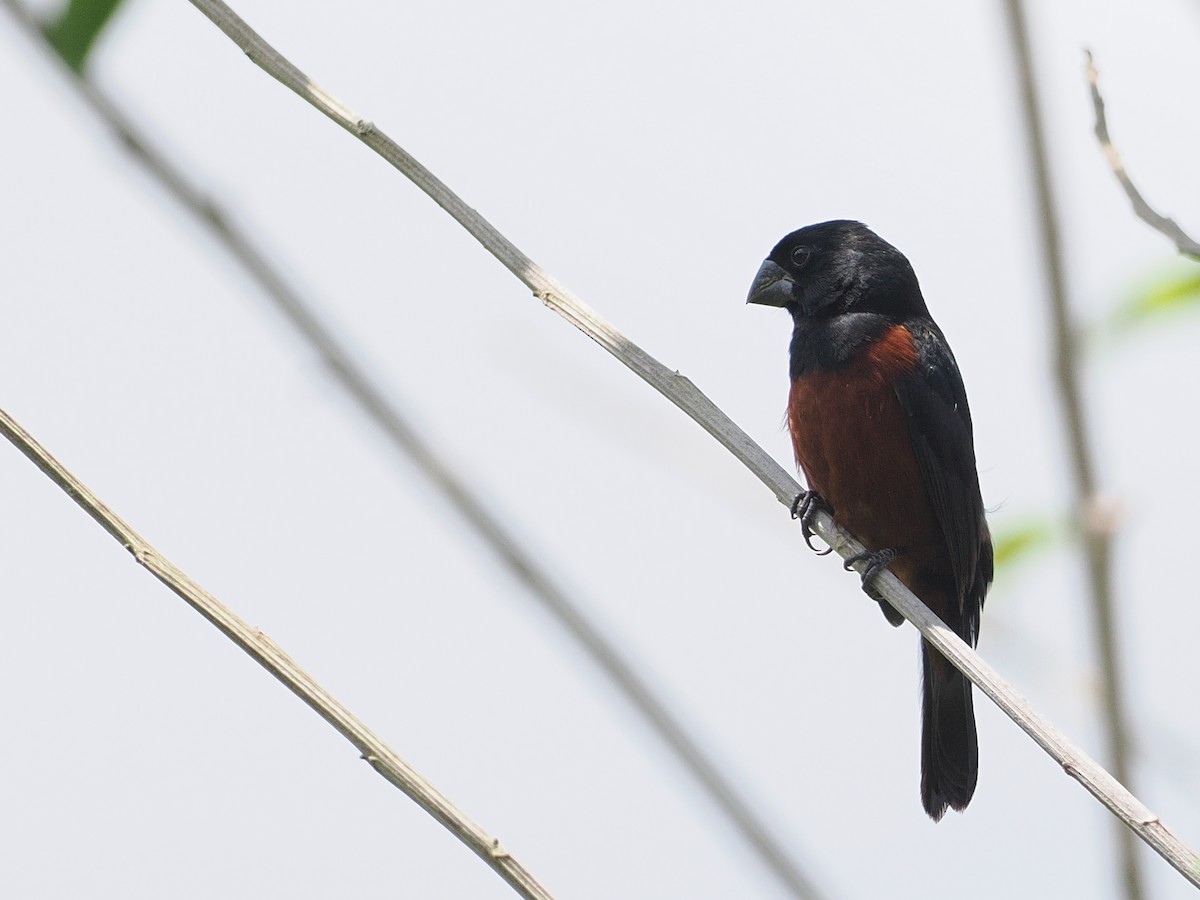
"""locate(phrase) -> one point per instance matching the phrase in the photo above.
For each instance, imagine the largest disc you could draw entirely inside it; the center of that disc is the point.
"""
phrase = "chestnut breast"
(851, 439)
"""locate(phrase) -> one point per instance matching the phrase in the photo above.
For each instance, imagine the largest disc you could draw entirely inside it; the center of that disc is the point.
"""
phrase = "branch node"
(129, 140)
(212, 212)
(1101, 515)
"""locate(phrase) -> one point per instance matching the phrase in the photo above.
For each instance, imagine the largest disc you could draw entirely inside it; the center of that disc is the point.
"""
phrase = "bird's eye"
(801, 256)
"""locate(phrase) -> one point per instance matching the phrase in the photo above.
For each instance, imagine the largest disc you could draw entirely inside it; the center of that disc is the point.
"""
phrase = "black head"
(837, 267)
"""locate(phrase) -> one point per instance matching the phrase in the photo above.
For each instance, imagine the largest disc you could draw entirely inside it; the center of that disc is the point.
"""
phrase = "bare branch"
(520, 561)
(680, 391)
(267, 654)
(1097, 531)
(1144, 211)
(675, 387)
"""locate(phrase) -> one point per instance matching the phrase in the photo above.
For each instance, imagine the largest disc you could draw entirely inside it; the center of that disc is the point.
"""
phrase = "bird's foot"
(876, 561)
(803, 507)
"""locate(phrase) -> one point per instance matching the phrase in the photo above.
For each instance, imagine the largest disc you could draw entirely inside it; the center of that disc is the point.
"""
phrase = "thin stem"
(520, 561)
(268, 654)
(1164, 225)
(680, 391)
(1096, 522)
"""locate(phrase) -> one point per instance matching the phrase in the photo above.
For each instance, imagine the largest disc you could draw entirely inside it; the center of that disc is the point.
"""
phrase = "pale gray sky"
(648, 156)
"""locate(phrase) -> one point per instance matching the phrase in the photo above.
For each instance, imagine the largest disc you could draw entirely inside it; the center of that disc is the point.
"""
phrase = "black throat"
(832, 342)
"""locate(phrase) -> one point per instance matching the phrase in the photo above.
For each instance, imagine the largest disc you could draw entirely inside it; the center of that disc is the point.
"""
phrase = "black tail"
(949, 747)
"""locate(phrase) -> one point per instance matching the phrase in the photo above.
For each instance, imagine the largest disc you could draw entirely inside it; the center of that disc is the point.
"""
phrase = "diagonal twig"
(680, 391)
(1144, 211)
(1097, 524)
(268, 654)
(520, 561)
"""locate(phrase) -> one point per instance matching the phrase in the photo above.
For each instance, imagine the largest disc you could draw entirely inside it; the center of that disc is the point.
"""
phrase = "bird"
(881, 429)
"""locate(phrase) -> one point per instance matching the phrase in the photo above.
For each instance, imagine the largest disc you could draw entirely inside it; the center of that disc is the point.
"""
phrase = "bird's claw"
(876, 561)
(803, 507)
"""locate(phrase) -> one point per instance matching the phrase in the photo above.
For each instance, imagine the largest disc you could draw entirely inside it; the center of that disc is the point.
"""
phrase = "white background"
(648, 155)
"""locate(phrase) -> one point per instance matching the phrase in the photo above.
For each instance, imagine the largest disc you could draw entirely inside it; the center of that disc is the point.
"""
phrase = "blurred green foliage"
(74, 32)
(1169, 291)
(1172, 291)
(1017, 542)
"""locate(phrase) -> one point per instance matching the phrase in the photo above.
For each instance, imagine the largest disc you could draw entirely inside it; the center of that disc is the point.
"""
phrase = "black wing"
(939, 424)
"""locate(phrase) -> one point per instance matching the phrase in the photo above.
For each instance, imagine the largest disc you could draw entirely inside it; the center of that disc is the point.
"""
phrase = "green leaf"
(1174, 292)
(75, 31)
(1017, 542)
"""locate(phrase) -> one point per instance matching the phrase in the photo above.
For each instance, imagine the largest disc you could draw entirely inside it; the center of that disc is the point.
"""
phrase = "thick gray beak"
(772, 286)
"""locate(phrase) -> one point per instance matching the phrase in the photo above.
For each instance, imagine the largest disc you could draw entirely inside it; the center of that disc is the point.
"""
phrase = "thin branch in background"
(521, 562)
(1144, 211)
(1097, 521)
(268, 654)
(680, 391)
